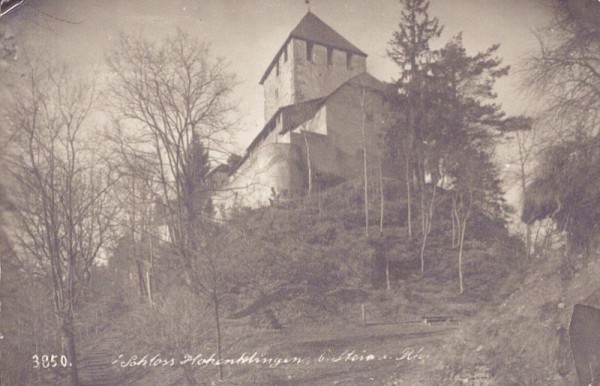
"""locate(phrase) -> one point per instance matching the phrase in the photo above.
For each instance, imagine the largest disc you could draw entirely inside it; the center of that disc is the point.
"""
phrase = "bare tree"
(565, 73)
(462, 202)
(175, 100)
(63, 206)
(565, 76)
(528, 144)
(365, 144)
(135, 196)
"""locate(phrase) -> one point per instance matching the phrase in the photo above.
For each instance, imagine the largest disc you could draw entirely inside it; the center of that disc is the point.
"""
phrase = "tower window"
(285, 54)
(329, 56)
(277, 68)
(348, 60)
(309, 51)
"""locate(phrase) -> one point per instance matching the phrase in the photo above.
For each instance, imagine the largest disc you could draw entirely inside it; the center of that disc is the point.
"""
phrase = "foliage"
(410, 50)
(8, 49)
(566, 190)
(566, 71)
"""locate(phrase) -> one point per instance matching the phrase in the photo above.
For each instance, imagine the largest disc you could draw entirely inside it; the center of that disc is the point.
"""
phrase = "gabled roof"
(224, 168)
(296, 114)
(313, 29)
(363, 79)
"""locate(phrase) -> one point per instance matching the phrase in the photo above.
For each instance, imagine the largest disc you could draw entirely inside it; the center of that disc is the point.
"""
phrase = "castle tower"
(312, 62)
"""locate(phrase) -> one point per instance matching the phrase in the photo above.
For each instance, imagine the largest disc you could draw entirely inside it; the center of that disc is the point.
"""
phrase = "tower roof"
(314, 30)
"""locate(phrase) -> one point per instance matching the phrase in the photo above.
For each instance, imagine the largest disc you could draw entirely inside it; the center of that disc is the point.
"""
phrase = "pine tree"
(410, 50)
(468, 122)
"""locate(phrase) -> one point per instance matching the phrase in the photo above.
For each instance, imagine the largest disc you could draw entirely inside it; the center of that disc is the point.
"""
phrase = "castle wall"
(274, 136)
(327, 161)
(318, 124)
(298, 79)
(279, 88)
(317, 78)
(328, 131)
(345, 117)
(273, 167)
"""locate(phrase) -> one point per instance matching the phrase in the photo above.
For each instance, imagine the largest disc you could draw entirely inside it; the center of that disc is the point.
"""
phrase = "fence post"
(364, 314)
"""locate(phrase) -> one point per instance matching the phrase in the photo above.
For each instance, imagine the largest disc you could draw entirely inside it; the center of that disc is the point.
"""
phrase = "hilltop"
(309, 269)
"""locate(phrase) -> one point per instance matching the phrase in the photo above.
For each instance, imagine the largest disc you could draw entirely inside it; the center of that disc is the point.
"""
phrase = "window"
(285, 54)
(329, 56)
(277, 68)
(348, 60)
(309, 51)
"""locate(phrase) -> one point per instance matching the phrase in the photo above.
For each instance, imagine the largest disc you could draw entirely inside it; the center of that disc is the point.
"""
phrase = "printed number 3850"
(47, 361)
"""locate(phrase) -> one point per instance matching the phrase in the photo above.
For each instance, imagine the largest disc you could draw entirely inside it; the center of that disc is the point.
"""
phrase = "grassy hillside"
(322, 242)
(307, 270)
(523, 340)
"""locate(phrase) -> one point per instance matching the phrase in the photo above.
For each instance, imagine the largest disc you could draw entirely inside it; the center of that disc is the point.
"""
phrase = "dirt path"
(340, 354)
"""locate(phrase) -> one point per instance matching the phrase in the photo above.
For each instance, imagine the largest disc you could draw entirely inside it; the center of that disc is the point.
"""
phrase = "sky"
(248, 33)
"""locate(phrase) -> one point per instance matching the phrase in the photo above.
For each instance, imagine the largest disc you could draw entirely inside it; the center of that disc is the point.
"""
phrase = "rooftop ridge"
(311, 28)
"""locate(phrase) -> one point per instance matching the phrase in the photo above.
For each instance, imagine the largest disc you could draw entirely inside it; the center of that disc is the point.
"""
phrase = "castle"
(322, 110)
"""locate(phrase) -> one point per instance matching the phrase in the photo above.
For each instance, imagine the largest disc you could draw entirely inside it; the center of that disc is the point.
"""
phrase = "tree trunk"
(431, 209)
(148, 286)
(409, 199)
(528, 240)
(308, 164)
(366, 177)
(381, 199)
(460, 254)
(215, 300)
(463, 228)
(149, 272)
(453, 223)
(422, 254)
(68, 337)
(424, 217)
(421, 186)
(320, 203)
(387, 272)
(141, 281)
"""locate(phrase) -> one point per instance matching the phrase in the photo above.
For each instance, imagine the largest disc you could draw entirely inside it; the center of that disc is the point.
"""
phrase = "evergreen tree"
(468, 121)
(410, 50)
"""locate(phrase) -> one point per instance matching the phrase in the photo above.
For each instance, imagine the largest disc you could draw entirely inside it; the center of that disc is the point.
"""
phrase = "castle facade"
(322, 110)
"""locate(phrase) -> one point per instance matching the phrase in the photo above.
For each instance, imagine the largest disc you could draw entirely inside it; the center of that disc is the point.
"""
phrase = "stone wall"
(272, 168)
(345, 116)
(326, 159)
(298, 79)
(317, 78)
(279, 87)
